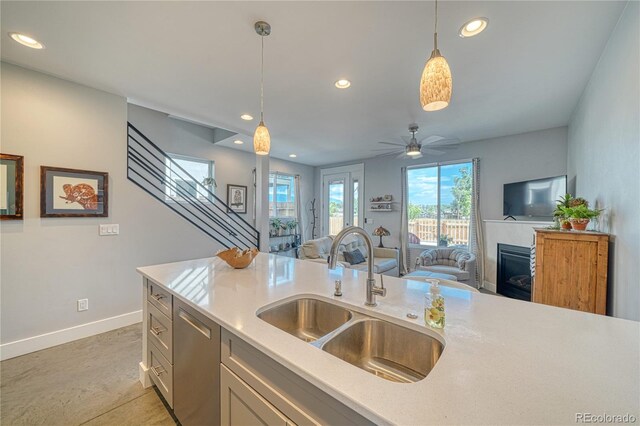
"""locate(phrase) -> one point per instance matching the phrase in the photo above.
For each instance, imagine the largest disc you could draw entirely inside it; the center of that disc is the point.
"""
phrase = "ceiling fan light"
(413, 153)
(261, 140)
(436, 83)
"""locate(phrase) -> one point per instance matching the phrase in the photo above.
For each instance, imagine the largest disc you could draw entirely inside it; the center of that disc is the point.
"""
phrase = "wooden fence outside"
(427, 230)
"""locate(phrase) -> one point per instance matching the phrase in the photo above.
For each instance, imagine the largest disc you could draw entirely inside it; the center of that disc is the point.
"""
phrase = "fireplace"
(514, 272)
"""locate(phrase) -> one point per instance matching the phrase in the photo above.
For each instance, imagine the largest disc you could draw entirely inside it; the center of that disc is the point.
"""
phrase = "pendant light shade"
(261, 140)
(261, 137)
(436, 83)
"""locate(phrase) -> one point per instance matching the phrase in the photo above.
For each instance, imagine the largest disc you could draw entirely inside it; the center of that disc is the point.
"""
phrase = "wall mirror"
(11, 184)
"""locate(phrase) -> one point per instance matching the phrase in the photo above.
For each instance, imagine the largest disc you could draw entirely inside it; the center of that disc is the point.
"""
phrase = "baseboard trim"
(490, 287)
(36, 343)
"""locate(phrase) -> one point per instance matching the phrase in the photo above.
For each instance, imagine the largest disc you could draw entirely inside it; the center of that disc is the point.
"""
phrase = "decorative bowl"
(236, 258)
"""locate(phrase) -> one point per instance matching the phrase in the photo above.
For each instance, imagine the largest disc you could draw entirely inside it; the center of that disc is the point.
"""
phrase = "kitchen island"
(504, 361)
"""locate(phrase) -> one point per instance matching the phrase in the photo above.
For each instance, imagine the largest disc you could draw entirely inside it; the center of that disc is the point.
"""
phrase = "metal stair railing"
(159, 175)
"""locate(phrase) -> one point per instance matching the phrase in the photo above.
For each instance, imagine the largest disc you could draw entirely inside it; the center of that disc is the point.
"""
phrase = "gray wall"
(49, 263)
(232, 166)
(507, 159)
(604, 158)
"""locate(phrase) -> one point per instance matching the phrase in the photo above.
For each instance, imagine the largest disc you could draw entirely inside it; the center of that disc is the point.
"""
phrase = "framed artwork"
(73, 193)
(11, 184)
(237, 198)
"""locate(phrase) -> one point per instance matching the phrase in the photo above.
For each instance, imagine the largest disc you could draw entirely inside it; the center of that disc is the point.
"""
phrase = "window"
(179, 184)
(282, 195)
(439, 204)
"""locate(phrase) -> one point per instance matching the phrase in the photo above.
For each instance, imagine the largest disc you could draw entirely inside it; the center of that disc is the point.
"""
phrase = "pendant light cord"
(262, 81)
(435, 32)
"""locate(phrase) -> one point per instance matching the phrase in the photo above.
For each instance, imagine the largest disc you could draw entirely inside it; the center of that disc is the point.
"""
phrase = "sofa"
(385, 260)
(449, 260)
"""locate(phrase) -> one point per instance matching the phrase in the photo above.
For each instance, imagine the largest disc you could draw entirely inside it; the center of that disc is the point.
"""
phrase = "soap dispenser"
(434, 305)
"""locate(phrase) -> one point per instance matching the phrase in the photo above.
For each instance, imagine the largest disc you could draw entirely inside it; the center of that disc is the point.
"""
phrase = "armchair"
(449, 260)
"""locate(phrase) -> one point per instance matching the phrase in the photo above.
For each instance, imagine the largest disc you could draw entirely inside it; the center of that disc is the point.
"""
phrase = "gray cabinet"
(241, 405)
(295, 399)
(196, 367)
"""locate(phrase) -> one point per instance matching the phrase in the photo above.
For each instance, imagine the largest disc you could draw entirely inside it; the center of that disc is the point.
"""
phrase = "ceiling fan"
(413, 148)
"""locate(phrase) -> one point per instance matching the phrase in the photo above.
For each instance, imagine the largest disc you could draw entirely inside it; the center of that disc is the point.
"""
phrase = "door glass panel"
(455, 203)
(356, 201)
(336, 205)
(422, 186)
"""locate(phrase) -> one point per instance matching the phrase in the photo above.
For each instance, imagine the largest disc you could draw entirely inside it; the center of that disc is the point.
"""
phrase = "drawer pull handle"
(156, 331)
(206, 331)
(158, 372)
(158, 296)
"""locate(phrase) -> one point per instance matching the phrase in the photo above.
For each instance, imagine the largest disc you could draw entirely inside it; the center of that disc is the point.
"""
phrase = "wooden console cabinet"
(571, 270)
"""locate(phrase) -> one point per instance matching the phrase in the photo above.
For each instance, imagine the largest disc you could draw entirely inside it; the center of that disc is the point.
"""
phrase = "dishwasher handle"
(193, 322)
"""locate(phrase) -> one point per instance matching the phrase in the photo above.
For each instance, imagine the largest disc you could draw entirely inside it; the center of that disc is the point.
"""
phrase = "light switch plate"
(109, 229)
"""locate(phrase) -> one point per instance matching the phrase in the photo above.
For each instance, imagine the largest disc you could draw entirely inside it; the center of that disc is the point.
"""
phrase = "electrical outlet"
(83, 305)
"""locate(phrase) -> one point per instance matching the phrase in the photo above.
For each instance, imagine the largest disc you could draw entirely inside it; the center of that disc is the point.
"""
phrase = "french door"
(342, 198)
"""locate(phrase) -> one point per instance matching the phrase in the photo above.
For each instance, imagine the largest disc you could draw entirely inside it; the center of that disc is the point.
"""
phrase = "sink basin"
(387, 350)
(307, 319)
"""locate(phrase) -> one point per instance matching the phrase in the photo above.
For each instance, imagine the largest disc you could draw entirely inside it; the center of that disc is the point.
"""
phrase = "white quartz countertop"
(505, 361)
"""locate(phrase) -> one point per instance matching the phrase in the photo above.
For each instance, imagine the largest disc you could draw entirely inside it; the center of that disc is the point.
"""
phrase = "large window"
(439, 204)
(179, 184)
(282, 195)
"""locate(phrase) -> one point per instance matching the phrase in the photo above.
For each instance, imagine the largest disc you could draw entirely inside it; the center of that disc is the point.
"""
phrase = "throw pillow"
(354, 257)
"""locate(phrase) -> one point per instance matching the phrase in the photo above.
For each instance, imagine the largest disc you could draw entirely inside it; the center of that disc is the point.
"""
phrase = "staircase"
(160, 176)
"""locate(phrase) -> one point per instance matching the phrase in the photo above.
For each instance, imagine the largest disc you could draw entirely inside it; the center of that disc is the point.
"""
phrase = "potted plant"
(275, 224)
(559, 214)
(444, 240)
(580, 215)
(292, 224)
(283, 228)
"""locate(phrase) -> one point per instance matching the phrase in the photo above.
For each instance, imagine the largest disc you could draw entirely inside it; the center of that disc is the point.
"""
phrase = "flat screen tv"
(533, 198)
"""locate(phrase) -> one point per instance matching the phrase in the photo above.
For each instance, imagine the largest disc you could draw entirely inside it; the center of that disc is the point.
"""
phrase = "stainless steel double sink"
(379, 347)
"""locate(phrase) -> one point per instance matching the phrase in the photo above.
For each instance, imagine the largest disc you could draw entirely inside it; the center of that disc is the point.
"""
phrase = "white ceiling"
(200, 60)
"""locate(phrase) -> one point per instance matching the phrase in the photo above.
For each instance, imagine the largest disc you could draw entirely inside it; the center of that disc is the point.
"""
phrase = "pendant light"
(436, 83)
(261, 137)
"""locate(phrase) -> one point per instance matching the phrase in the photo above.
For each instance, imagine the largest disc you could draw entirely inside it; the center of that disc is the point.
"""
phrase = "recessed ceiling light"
(25, 40)
(473, 27)
(238, 142)
(246, 117)
(343, 84)
(292, 155)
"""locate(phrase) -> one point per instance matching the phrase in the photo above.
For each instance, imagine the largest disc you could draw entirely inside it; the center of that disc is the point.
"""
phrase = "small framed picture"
(73, 193)
(11, 184)
(237, 198)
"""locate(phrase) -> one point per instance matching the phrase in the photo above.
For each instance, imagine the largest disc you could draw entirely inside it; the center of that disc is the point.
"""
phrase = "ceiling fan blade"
(446, 143)
(415, 157)
(385, 149)
(387, 154)
(431, 139)
(402, 155)
(431, 151)
(392, 143)
(406, 139)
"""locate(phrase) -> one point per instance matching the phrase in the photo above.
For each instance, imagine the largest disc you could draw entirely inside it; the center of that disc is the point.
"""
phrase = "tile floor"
(93, 381)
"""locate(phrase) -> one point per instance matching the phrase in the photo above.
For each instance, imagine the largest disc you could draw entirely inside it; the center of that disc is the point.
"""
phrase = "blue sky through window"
(423, 183)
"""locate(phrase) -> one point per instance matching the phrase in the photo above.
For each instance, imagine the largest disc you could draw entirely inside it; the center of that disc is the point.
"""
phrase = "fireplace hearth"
(514, 273)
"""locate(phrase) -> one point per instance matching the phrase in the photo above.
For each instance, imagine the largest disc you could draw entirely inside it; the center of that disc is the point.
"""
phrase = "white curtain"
(476, 239)
(404, 224)
(299, 208)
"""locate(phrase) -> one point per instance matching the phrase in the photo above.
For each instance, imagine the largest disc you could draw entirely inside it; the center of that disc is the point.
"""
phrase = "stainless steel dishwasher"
(196, 368)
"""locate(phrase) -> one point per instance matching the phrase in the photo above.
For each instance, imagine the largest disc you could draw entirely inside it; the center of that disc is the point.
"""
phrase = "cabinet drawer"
(160, 298)
(161, 372)
(241, 405)
(160, 331)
